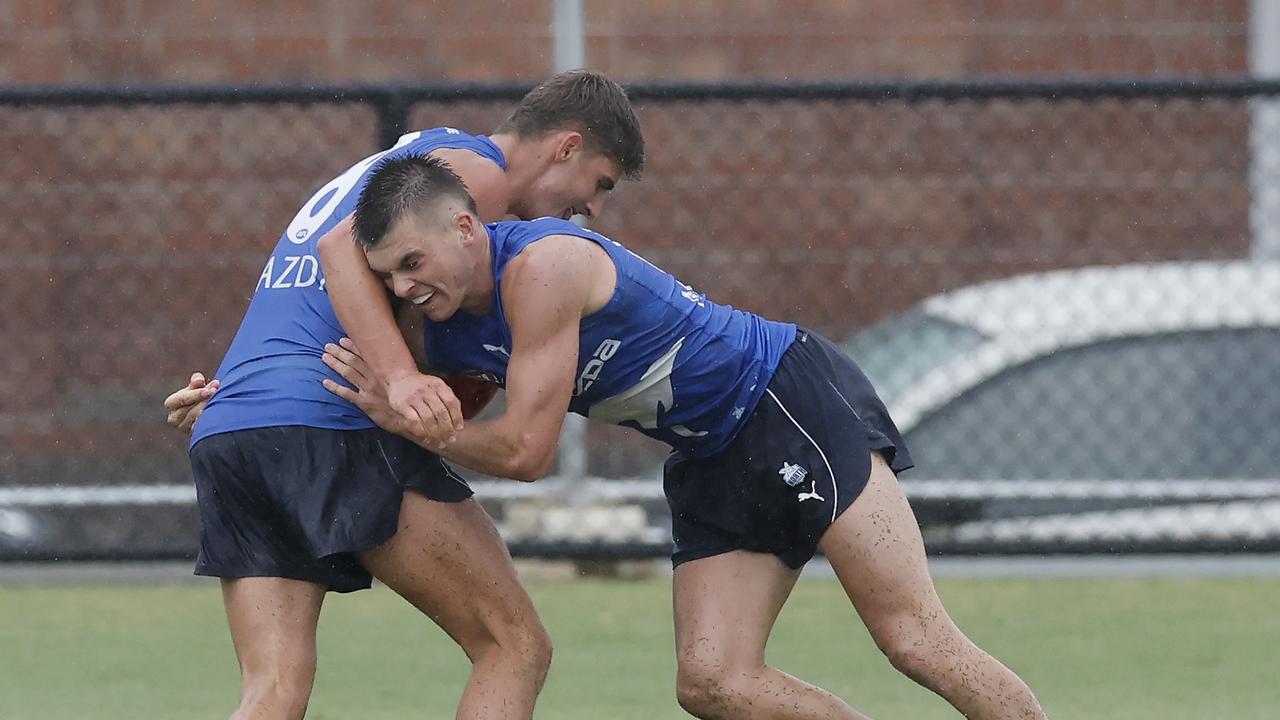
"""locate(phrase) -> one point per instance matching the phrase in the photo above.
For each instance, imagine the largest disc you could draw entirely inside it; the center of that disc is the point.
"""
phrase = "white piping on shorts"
(387, 460)
(448, 470)
(835, 491)
(846, 402)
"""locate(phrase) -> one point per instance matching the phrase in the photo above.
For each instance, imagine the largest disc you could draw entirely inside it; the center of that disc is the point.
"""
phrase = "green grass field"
(1092, 649)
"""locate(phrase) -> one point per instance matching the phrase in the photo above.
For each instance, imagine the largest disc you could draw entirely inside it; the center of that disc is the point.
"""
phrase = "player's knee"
(704, 689)
(911, 661)
(920, 647)
(524, 642)
(282, 696)
(533, 645)
(699, 696)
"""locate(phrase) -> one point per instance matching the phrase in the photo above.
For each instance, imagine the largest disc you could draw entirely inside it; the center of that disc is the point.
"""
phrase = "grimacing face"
(575, 186)
(426, 260)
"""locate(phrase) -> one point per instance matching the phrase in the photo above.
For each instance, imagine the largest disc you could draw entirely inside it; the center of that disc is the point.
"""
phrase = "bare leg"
(448, 560)
(878, 554)
(725, 607)
(273, 628)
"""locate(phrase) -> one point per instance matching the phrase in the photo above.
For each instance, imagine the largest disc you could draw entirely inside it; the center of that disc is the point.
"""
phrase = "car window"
(896, 351)
(1194, 405)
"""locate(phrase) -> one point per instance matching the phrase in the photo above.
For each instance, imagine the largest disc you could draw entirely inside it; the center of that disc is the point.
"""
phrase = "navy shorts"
(296, 502)
(801, 459)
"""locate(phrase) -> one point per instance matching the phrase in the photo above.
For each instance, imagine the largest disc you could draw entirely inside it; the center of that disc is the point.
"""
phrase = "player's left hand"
(184, 406)
(369, 394)
(371, 397)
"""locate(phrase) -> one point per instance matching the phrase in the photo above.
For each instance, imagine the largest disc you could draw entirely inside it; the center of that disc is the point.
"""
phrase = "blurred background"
(1048, 231)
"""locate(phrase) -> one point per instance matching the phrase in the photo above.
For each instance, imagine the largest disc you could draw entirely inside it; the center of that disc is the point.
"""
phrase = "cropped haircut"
(402, 185)
(587, 102)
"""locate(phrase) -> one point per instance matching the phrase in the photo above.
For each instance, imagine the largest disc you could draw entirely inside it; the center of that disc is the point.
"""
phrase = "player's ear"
(570, 142)
(465, 222)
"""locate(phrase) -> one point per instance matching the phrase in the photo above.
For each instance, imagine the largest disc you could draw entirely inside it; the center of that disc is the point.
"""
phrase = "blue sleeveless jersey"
(658, 357)
(271, 373)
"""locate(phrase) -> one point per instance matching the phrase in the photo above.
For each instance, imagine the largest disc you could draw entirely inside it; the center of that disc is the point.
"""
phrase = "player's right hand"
(427, 400)
(186, 405)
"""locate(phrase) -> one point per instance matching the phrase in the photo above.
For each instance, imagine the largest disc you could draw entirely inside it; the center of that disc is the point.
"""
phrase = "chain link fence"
(1068, 293)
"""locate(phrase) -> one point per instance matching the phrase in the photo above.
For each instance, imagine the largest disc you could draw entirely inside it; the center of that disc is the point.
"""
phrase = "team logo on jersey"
(485, 376)
(500, 349)
(692, 295)
(793, 474)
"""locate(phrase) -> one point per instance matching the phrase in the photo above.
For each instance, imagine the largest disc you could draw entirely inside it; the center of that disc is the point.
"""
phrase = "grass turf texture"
(1095, 649)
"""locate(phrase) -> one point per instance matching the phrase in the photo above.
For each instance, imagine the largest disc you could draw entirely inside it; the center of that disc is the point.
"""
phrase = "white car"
(1133, 406)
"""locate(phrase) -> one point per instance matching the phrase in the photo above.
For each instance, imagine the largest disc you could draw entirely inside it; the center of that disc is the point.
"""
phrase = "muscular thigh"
(726, 605)
(273, 622)
(877, 552)
(448, 560)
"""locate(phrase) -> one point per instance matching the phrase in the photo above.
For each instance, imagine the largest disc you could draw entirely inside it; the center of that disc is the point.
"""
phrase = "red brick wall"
(838, 213)
(917, 38)
(240, 41)
(134, 234)
(139, 41)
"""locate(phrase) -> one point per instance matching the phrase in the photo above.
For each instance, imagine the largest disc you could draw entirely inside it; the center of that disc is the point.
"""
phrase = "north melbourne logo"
(792, 474)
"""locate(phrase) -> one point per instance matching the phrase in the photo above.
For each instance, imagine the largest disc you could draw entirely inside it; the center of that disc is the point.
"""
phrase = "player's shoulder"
(486, 181)
(442, 133)
(541, 227)
(516, 237)
(549, 248)
(454, 146)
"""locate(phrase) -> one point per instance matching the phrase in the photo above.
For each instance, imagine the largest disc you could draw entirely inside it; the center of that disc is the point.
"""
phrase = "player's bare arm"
(473, 394)
(360, 301)
(546, 292)
(185, 405)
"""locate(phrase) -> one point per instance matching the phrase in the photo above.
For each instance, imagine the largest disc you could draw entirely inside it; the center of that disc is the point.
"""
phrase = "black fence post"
(393, 116)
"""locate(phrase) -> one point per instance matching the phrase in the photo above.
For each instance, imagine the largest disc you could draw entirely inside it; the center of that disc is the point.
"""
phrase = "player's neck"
(524, 161)
(479, 299)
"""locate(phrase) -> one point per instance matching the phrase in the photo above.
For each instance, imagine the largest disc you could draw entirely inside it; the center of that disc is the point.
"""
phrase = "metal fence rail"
(1064, 290)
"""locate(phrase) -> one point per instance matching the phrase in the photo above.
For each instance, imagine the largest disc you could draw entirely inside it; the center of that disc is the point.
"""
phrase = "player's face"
(576, 185)
(428, 262)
